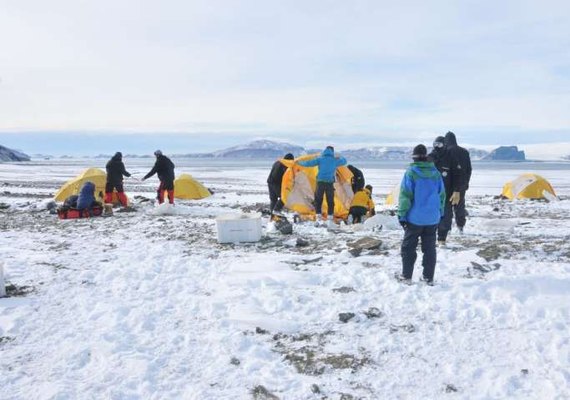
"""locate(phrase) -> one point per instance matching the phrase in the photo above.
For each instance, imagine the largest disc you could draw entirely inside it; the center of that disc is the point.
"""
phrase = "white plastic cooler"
(237, 228)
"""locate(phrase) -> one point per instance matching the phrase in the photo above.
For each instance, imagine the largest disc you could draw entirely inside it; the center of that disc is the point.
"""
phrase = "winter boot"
(330, 222)
(426, 281)
(402, 279)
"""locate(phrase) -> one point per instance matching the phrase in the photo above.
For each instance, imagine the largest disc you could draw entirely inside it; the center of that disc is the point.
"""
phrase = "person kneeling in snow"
(164, 168)
(86, 199)
(421, 205)
(362, 205)
(115, 171)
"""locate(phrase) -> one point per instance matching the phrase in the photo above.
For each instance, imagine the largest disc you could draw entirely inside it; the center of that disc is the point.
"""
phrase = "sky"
(88, 77)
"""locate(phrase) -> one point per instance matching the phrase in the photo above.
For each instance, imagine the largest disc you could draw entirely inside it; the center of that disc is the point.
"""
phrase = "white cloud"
(364, 67)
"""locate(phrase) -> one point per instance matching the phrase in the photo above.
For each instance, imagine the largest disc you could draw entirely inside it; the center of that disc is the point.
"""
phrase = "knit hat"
(158, 153)
(289, 156)
(420, 152)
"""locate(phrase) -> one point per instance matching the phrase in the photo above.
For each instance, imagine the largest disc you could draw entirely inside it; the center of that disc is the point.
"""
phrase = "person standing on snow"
(461, 170)
(115, 172)
(274, 181)
(327, 163)
(357, 178)
(421, 205)
(451, 178)
(164, 168)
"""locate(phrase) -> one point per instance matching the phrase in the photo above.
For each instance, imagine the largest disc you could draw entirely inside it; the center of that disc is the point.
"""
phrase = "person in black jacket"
(357, 179)
(460, 166)
(274, 183)
(115, 172)
(164, 169)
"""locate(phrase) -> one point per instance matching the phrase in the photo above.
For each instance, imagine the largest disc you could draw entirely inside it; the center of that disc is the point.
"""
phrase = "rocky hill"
(506, 153)
(259, 149)
(7, 154)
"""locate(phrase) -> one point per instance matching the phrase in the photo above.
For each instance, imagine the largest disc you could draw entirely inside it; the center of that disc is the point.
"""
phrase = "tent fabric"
(299, 184)
(394, 196)
(186, 187)
(528, 186)
(72, 187)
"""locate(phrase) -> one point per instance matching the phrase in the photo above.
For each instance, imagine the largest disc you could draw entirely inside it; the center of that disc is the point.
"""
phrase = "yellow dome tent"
(95, 175)
(186, 187)
(72, 187)
(394, 196)
(528, 186)
(299, 184)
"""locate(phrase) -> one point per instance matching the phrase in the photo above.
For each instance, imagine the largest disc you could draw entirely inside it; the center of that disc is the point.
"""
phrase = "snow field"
(143, 306)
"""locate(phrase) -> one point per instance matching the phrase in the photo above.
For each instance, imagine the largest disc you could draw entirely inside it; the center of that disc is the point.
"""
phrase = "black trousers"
(447, 220)
(357, 213)
(275, 203)
(412, 235)
(110, 186)
(324, 189)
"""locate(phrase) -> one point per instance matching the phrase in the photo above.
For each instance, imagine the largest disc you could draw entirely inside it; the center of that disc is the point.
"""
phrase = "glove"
(454, 199)
(403, 223)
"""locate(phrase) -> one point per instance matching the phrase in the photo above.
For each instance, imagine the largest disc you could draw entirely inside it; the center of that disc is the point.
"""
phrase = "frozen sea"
(147, 305)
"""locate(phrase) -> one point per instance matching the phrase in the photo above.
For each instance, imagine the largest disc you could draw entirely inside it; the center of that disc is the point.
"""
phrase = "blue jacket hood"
(327, 153)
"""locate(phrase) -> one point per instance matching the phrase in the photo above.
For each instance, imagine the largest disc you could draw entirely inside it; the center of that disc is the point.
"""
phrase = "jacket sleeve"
(468, 169)
(310, 163)
(340, 161)
(406, 196)
(457, 173)
(152, 171)
(442, 196)
(124, 170)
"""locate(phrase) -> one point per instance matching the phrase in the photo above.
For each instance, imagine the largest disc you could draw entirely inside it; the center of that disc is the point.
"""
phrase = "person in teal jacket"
(327, 163)
(420, 209)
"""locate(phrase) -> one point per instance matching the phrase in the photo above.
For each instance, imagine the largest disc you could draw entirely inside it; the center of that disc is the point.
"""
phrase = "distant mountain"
(388, 153)
(506, 153)
(7, 154)
(260, 149)
(396, 153)
(263, 149)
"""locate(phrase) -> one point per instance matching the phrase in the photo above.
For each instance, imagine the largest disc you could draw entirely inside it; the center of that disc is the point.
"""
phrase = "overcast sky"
(205, 74)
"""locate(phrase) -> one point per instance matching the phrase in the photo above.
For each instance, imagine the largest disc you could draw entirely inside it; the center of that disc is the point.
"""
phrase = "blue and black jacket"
(422, 195)
(327, 164)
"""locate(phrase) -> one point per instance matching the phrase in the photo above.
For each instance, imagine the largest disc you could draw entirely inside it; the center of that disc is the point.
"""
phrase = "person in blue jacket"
(86, 199)
(420, 209)
(327, 163)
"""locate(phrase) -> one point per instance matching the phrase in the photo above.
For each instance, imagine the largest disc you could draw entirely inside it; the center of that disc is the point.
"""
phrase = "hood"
(88, 187)
(424, 169)
(117, 157)
(327, 152)
(450, 139)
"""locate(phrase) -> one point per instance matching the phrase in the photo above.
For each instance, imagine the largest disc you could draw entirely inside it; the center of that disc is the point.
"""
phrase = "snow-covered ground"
(147, 306)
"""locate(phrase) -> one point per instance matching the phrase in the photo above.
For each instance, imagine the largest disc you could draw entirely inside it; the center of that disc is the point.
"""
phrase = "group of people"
(432, 191)
(327, 163)
(163, 168)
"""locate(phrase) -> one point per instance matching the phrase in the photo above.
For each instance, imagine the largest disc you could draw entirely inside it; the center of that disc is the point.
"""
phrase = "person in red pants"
(164, 168)
(115, 172)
